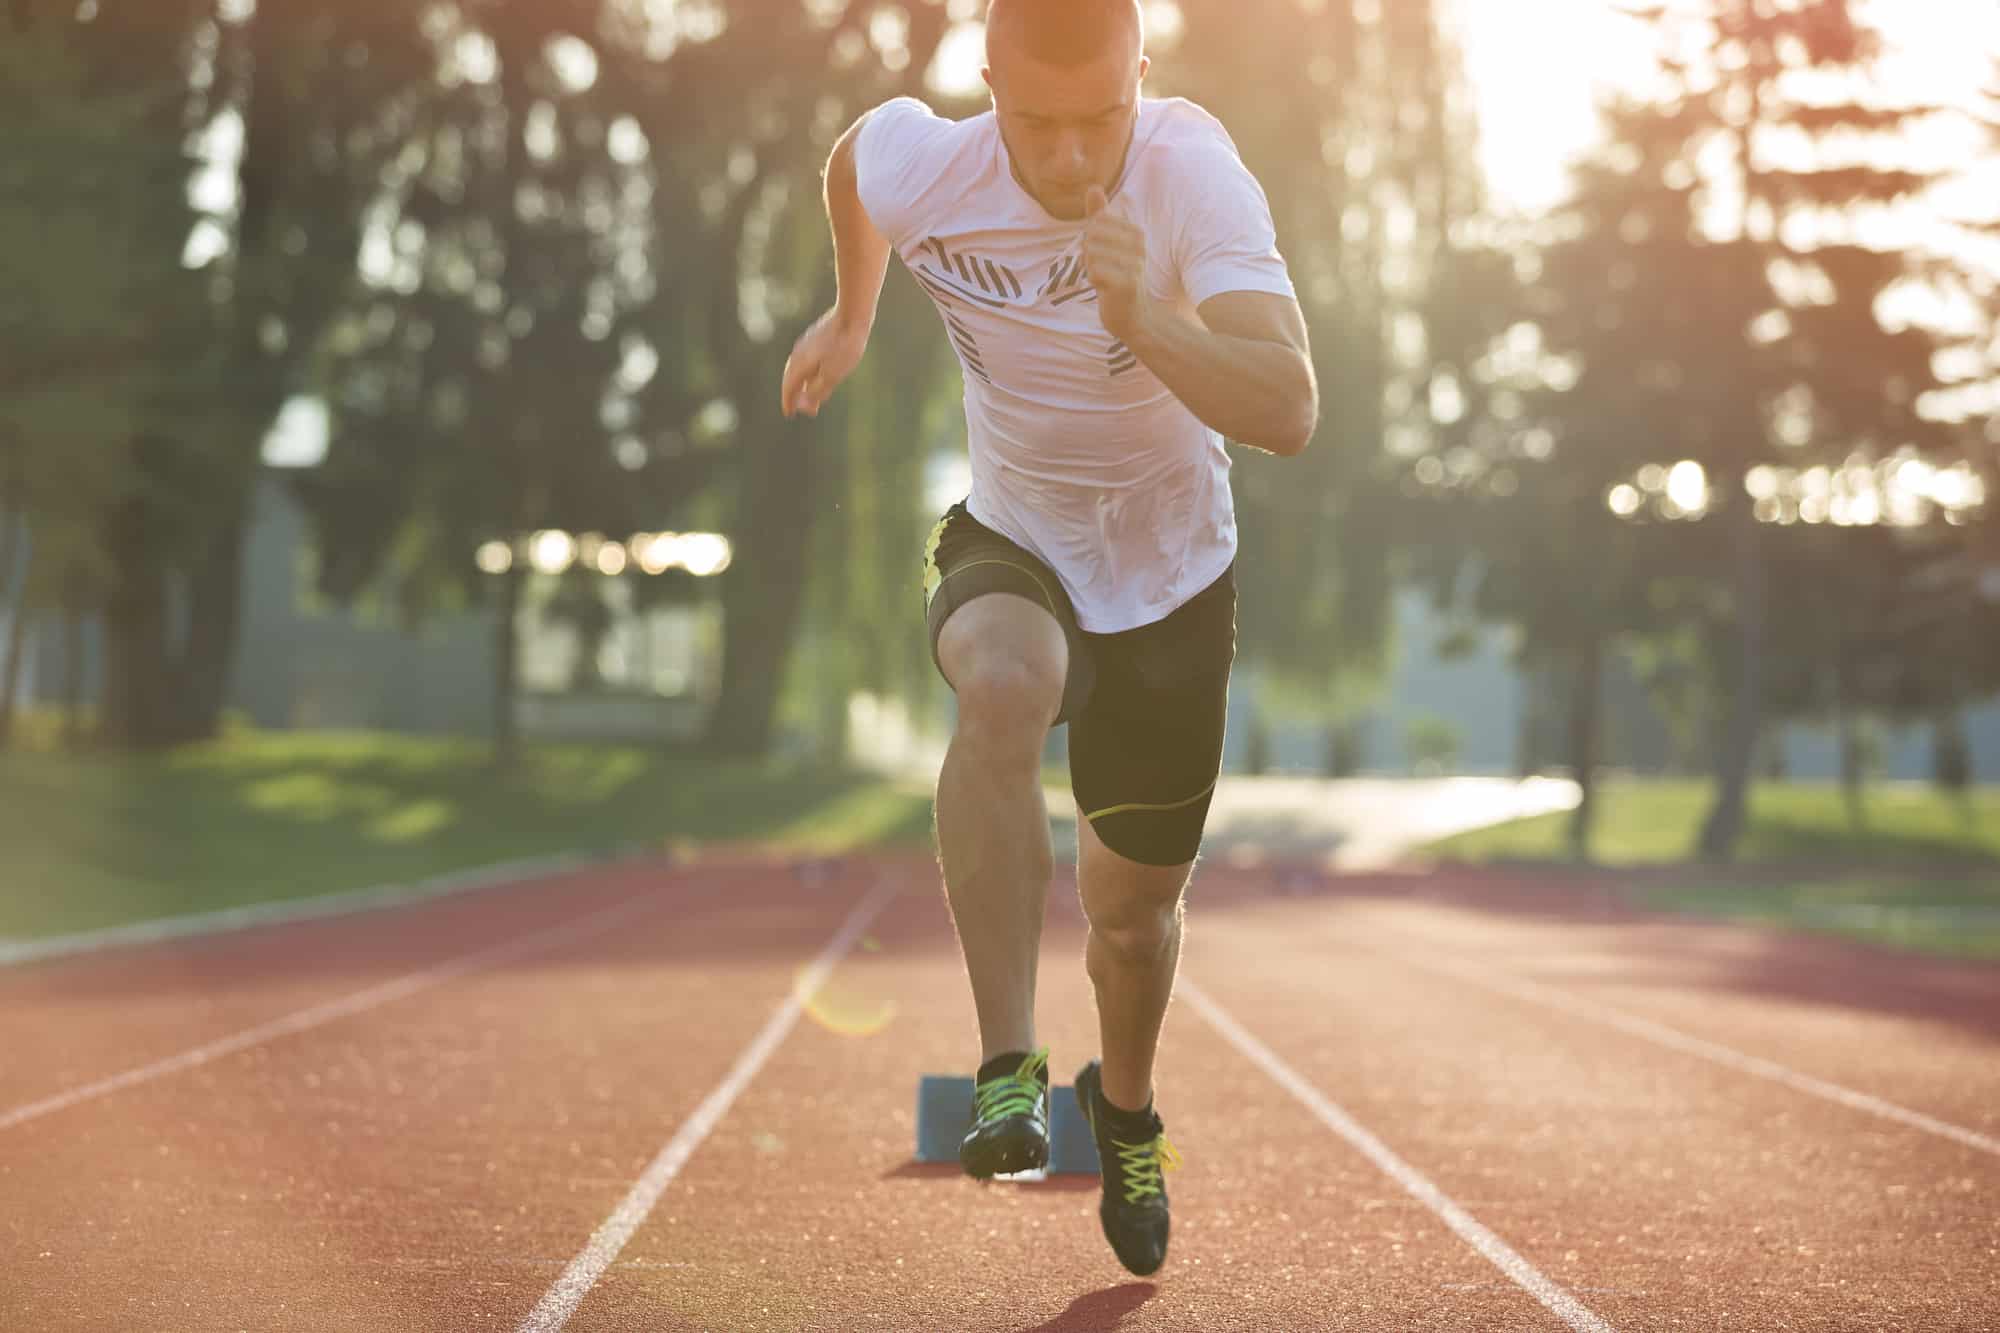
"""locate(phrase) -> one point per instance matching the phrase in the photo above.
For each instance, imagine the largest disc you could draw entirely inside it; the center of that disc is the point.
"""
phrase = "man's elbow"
(1297, 433)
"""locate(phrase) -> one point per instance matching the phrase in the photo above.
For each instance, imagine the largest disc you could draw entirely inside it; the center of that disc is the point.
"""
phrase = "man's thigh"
(991, 604)
(1146, 750)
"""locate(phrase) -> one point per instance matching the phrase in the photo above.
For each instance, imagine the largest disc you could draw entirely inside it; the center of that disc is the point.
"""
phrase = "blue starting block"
(944, 1114)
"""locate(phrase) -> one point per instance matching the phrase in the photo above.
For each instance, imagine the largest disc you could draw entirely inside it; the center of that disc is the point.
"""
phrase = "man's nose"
(1070, 152)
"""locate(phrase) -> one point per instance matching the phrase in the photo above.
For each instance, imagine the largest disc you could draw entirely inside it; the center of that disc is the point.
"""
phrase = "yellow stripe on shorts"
(1133, 807)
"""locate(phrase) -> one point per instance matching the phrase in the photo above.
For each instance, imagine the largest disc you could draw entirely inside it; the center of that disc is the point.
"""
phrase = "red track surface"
(437, 1159)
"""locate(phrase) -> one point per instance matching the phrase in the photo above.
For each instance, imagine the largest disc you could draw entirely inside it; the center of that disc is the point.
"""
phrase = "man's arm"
(1245, 370)
(828, 352)
(860, 251)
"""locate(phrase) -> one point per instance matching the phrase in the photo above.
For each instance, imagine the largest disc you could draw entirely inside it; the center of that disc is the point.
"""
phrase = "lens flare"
(844, 1008)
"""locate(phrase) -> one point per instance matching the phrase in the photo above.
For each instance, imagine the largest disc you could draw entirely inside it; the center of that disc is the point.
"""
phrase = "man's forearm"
(1254, 392)
(860, 252)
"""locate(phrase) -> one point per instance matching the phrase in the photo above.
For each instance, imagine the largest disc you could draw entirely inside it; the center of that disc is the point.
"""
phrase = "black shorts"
(1146, 708)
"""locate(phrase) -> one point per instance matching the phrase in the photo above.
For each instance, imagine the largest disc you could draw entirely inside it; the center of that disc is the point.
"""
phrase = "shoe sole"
(1028, 1154)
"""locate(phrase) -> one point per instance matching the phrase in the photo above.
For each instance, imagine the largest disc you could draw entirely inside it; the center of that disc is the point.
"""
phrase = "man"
(1107, 270)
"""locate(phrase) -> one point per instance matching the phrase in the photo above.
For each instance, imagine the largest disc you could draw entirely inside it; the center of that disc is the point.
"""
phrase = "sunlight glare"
(845, 1009)
(1687, 486)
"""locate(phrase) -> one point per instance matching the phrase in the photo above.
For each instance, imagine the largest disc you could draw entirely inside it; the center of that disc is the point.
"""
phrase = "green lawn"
(1922, 872)
(93, 841)
(1652, 822)
(1955, 917)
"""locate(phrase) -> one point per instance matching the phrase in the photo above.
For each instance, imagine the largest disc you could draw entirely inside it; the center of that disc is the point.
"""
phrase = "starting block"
(944, 1114)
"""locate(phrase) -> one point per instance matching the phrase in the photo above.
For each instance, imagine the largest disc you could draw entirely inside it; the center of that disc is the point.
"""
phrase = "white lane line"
(561, 1300)
(583, 928)
(1674, 1039)
(1469, 1229)
(284, 912)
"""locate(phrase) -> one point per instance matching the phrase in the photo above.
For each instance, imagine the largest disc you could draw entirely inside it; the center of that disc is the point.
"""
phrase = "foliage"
(252, 817)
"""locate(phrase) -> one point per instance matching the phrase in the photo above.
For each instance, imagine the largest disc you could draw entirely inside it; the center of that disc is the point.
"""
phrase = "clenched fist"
(1114, 252)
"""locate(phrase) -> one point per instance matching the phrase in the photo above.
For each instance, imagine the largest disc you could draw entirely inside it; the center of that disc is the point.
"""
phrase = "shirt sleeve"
(1226, 241)
(894, 164)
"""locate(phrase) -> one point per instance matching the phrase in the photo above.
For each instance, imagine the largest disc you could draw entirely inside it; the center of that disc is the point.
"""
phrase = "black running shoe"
(1010, 1116)
(1133, 1159)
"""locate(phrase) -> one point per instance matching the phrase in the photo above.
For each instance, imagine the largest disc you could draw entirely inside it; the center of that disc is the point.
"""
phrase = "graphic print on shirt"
(980, 282)
(1069, 278)
(957, 276)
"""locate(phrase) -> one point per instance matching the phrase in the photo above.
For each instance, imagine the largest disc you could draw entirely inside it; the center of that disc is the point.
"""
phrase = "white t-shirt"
(1079, 453)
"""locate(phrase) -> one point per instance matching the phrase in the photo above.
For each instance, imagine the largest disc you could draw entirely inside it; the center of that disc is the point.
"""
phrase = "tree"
(319, 89)
(482, 375)
(1349, 116)
(1818, 348)
(739, 139)
(109, 387)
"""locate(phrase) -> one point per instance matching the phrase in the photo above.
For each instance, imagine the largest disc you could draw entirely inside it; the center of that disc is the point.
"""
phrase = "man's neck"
(1014, 166)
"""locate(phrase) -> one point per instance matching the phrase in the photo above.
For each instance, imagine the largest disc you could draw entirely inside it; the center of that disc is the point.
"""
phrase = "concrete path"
(1350, 823)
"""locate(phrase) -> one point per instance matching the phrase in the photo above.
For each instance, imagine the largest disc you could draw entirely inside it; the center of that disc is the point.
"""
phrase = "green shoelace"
(1018, 1093)
(1143, 1163)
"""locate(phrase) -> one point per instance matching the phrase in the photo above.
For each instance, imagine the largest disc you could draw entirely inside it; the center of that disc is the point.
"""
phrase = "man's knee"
(1136, 927)
(1004, 694)
(1006, 661)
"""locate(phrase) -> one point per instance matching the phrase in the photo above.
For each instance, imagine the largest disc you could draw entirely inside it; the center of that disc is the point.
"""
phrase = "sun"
(1536, 85)
(1533, 118)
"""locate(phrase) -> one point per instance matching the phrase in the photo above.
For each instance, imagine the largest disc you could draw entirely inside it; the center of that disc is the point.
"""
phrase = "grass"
(1957, 918)
(93, 841)
(1922, 872)
(1654, 822)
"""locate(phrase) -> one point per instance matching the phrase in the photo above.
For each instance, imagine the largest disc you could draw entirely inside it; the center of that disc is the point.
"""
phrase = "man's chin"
(1065, 205)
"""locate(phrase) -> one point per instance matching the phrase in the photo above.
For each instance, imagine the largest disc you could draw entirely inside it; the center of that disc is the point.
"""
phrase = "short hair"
(1063, 33)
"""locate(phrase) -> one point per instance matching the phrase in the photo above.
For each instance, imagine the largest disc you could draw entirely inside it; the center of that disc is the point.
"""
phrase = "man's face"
(1067, 129)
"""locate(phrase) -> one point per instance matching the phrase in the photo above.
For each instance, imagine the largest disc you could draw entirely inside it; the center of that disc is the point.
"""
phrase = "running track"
(590, 1102)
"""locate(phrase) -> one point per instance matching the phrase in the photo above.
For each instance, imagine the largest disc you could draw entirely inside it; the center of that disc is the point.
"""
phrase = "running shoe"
(1134, 1155)
(1010, 1116)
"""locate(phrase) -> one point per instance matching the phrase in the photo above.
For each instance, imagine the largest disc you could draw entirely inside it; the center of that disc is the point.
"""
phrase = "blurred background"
(392, 476)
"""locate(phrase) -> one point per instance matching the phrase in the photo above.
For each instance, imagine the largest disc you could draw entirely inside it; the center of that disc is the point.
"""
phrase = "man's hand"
(1114, 252)
(824, 355)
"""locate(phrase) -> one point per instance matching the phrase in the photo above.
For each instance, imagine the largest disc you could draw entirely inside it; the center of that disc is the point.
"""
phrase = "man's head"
(1065, 78)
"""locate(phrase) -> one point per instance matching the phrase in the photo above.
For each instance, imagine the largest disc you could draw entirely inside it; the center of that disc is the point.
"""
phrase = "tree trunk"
(13, 537)
(764, 586)
(1776, 767)
(1849, 741)
(202, 675)
(13, 525)
(1528, 734)
(1345, 748)
(1585, 714)
(1738, 744)
(72, 682)
(136, 708)
(1257, 749)
(1951, 754)
(507, 667)
(10, 672)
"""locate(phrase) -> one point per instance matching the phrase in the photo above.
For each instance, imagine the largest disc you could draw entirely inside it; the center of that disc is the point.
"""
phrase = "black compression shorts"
(1146, 707)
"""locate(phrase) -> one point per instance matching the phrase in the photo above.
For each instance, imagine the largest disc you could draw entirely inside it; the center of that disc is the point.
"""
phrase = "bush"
(1433, 744)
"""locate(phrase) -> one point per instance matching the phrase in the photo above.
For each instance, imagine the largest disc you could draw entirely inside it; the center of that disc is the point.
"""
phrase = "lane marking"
(562, 1299)
(582, 928)
(1660, 1034)
(1468, 1228)
(284, 912)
